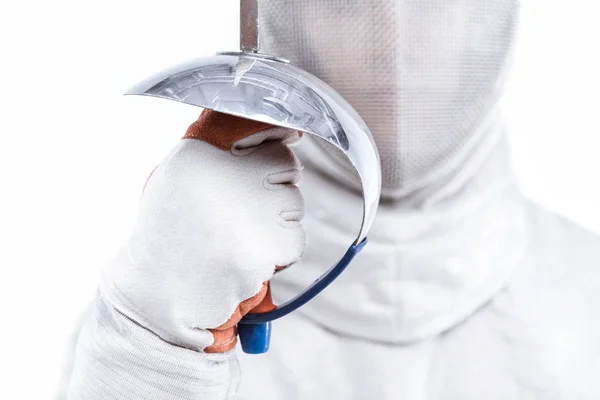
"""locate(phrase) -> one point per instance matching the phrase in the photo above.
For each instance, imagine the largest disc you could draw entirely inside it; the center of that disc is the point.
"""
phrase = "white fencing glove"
(217, 217)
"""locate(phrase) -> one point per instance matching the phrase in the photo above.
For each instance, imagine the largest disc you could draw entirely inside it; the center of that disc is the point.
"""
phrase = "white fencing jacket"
(488, 296)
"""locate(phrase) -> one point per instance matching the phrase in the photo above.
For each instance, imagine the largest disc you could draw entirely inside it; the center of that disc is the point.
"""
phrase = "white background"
(74, 154)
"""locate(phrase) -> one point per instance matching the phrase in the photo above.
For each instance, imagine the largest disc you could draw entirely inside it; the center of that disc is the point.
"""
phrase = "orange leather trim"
(148, 179)
(266, 303)
(223, 130)
(225, 335)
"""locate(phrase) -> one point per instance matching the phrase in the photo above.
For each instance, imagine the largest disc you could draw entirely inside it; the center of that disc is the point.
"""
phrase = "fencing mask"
(422, 73)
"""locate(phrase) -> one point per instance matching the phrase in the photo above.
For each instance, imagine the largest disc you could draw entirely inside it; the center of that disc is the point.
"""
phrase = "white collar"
(425, 268)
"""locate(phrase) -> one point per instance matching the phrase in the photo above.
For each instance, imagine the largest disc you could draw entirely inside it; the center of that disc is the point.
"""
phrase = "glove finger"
(276, 135)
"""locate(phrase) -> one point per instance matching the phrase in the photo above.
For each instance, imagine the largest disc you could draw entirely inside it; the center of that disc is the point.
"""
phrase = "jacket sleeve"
(115, 358)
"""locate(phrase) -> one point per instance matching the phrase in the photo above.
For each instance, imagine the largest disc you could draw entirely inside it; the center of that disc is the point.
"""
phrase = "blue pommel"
(255, 338)
(255, 329)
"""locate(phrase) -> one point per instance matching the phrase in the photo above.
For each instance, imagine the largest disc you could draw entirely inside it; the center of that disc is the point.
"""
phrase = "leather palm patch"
(223, 130)
(225, 336)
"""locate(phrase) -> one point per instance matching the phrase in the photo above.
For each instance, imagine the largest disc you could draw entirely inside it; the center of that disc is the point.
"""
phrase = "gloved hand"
(217, 217)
